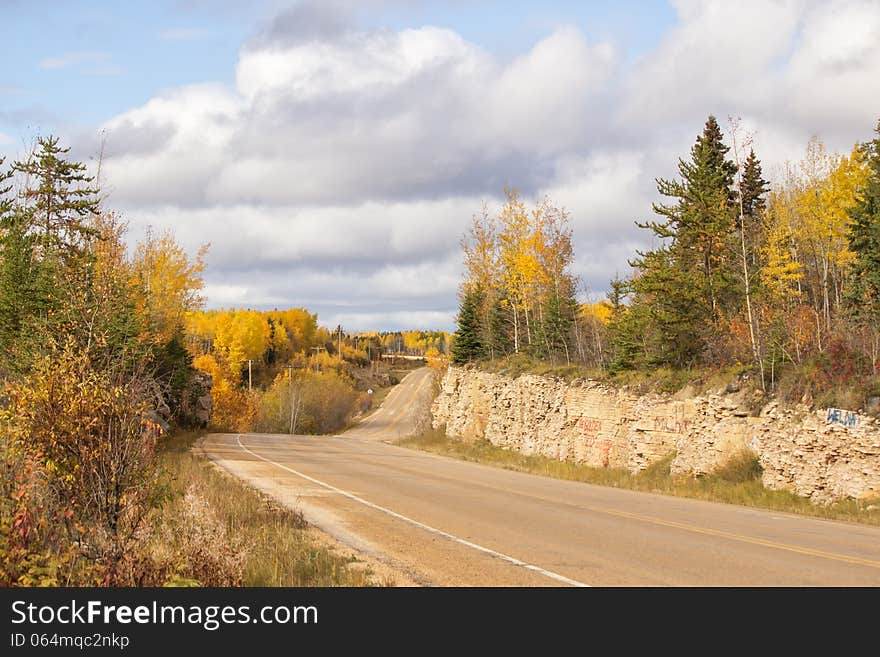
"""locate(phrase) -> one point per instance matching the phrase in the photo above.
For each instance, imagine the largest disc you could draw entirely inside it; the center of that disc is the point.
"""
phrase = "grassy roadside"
(738, 482)
(218, 531)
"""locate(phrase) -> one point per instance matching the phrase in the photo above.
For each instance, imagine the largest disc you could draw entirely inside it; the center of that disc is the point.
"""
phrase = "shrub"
(83, 469)
(310, 402)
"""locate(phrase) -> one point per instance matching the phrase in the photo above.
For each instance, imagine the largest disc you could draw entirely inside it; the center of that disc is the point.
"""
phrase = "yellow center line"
(399, 417)
(836, 556)
(719, 533)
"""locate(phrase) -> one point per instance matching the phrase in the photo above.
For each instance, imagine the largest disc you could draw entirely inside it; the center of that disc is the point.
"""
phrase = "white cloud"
(341, 167)
(86, 62)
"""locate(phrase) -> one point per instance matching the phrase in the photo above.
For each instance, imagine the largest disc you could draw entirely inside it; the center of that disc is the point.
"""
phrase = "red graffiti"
(591, 428)
(604, 447)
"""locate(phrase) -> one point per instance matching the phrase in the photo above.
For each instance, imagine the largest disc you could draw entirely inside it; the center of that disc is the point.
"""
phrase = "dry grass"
(659, 380)
(218, 531)
(378, 396)
(737, 482)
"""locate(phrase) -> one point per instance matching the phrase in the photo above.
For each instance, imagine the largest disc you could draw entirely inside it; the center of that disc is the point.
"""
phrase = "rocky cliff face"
(824, 455)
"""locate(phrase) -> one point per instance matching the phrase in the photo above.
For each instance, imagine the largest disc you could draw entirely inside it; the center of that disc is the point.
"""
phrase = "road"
(446, 522)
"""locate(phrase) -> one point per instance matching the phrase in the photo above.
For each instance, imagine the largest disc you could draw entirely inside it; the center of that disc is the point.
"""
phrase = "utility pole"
(317, 350)
(250, 377)
(339, 342)
(294, 401)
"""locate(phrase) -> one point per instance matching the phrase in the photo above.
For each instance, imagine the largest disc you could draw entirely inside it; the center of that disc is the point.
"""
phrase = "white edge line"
(421, 525)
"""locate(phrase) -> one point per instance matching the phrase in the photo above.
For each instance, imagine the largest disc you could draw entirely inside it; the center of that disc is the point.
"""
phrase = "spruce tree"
(498, 342)
(16, 267)
(17, 279)
(59, 193)
(687, 284)
(753, 187)
(558, 317)
(468, 346)
(711, 143)
(623, 327)
(863, 293)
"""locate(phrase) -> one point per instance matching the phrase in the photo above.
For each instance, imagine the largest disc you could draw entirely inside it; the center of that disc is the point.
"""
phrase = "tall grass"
(264, 543)
(737, 482)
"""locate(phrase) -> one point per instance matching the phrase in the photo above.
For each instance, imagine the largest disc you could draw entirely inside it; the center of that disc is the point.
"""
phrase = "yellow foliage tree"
(168, 283)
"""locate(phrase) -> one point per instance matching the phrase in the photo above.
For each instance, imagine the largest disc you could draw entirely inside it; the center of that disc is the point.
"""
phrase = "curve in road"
(448, 522)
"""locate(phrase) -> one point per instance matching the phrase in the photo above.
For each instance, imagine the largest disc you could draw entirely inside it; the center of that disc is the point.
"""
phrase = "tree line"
(774, 278)
(518, 295)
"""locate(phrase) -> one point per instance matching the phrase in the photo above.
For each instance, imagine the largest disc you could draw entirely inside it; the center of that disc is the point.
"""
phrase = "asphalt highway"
(446, 522)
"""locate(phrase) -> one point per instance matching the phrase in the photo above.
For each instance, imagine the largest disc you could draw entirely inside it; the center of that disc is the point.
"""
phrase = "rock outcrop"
(823, 454)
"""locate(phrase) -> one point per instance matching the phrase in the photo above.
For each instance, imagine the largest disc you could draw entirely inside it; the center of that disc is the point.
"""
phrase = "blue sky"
(333, 152)
(82, 62)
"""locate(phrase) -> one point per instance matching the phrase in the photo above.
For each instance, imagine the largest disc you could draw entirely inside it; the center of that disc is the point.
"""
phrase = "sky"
(333, 152)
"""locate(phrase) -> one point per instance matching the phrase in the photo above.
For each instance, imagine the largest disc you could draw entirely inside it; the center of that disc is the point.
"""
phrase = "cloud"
(304, 21)
(415, 114)
(86, 62)
(341, 167)
(790, 67)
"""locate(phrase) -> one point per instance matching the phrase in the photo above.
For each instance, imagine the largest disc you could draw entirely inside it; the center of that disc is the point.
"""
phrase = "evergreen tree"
(863, 294)
(623, 327)
(498, 340)
(687, 284)
(468, 346)
(26, 282)
(19, 271)
(753, 187)
(59, 194)
(720, 168)
(558, 317)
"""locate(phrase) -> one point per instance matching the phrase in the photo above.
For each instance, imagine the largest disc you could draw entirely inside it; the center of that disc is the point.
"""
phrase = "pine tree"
(863, 294)
(558, 316)
(18, 279)
(468, 346)
(59, 194)
(687, 284)
(498, 340)
(17, 267)
(753, 187)
(711, 144)
(622, 327)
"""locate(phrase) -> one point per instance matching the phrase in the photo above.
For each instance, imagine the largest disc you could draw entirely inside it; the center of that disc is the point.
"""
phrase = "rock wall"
(823, 455)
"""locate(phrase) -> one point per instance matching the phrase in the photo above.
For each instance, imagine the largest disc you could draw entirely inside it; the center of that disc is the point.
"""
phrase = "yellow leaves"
(480, 249)
(601, 312)
(168, 283)
(436, 360)
(517, 244)
(817, 198)
(781, 271)
(61, 412)
(837, 196)
(807, 226)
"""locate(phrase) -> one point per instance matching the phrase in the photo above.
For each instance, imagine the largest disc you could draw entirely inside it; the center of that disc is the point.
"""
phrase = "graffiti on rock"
(840, 416)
